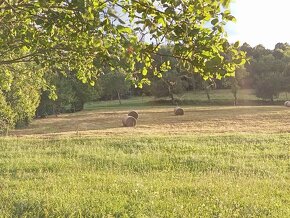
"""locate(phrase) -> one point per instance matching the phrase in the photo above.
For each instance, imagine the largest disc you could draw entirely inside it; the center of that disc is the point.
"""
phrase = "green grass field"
(160, 176)
(215, 161)
(219, 97)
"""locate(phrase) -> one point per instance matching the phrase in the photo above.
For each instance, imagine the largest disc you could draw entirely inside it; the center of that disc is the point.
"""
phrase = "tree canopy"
(269, 69)
(87, 36)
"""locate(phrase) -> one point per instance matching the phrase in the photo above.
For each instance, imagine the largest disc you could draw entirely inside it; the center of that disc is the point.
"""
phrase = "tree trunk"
(7, 131)
(207, 94)
(54, 111)
(171, 95)
(119, 97)
(235, 96)
(172, 98)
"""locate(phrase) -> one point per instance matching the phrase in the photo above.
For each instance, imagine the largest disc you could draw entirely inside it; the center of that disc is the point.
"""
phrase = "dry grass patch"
(161, 120)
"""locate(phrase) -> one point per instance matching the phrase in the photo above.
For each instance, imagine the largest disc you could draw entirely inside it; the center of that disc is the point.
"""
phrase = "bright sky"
(265, 22)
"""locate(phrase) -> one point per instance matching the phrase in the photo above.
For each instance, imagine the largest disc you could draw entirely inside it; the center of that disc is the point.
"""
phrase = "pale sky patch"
(265, 22)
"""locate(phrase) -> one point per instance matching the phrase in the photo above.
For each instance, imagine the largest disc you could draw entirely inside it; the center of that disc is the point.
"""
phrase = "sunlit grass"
(197, 98)
(161, 176)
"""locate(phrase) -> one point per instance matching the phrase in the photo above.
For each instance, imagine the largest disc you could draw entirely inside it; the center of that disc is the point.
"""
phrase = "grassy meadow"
(215, 161)
(219, 97)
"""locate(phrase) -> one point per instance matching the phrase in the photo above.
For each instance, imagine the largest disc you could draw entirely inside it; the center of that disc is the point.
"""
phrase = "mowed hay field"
(211, 162)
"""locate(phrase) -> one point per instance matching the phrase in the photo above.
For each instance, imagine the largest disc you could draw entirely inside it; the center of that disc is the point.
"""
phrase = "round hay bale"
(178, 111)
(129, 121)
(287, 104)
(133, 114)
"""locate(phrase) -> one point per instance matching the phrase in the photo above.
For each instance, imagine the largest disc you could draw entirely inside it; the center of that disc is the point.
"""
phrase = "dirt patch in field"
(271, 119)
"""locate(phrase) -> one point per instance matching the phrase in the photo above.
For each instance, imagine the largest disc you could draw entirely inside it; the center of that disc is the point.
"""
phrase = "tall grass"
(229, 175)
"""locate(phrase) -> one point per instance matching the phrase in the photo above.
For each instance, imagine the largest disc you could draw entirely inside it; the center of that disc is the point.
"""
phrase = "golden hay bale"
(178, 111)
(287, 104)
(129, 121)
(133, 114)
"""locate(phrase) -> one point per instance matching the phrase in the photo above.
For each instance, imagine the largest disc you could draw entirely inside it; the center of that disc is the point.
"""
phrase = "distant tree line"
(266, 71)
(269, 70)
(72, 94)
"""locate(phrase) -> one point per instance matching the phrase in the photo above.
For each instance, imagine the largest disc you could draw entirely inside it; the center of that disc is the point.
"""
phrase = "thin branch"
(19, 59)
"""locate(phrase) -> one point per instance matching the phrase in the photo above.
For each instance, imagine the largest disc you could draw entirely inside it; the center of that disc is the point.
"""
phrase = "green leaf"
(161, 21)
(215, 21)
(237, 44)
(144, 71)
(123, 29)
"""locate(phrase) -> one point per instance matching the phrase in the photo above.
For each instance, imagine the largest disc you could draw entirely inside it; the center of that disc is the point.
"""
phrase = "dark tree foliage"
(269, 69)
(72, 94)
(113, 85)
